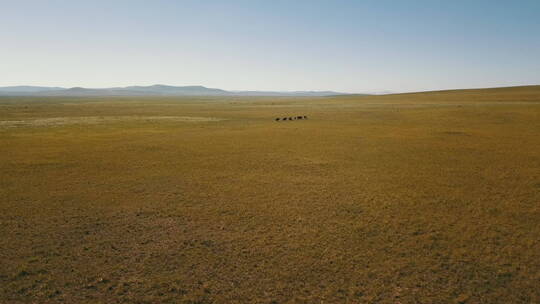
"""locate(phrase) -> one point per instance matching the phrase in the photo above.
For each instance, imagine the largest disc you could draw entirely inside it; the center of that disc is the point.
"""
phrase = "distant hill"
(516, 94)
(28, 89)
(153, 90)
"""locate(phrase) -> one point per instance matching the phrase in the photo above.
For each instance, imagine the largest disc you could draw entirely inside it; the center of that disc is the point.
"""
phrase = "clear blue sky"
(348, 46)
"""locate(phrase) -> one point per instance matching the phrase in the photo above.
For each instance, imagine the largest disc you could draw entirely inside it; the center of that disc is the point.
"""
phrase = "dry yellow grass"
(412, 198)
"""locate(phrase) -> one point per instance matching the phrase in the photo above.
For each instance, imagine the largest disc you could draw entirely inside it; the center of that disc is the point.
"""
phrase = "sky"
(339, 45)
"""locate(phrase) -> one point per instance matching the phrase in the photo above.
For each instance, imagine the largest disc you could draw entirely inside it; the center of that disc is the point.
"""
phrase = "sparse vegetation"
(412, 198)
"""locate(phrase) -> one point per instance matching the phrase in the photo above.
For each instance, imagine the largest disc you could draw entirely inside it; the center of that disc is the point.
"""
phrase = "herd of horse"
(291, 118)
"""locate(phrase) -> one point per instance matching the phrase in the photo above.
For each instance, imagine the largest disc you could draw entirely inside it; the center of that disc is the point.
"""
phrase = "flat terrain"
(412, 198)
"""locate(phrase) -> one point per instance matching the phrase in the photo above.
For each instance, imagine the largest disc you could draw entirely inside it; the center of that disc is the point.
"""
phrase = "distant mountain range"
(154, 90)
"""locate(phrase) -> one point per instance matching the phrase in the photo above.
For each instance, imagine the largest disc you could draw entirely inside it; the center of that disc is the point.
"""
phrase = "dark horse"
(291, 118)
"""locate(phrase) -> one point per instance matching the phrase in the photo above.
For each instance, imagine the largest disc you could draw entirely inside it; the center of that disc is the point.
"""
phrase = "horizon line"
(374, 92)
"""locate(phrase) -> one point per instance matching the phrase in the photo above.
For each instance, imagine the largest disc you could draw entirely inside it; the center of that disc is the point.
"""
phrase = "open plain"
(408, 198)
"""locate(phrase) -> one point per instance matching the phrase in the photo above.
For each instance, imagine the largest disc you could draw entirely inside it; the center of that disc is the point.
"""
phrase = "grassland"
(411, 198)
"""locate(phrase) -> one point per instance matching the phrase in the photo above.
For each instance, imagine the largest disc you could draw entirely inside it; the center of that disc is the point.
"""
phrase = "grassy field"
(411, 198)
